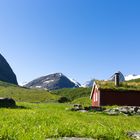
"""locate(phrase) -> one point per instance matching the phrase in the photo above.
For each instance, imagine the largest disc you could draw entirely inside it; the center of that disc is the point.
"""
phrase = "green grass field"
(21, 94)
(40, 116)
(52, 120)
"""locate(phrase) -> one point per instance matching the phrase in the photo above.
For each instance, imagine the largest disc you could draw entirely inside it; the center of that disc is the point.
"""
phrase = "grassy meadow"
(22, 94)
(53, 120)
(39, 116)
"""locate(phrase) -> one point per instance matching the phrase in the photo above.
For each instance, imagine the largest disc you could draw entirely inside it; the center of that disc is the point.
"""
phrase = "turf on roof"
(123, 85)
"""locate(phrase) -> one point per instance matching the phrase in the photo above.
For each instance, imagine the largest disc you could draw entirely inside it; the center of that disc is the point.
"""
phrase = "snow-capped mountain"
(75, 82)
(88, 83)
(53, 82)
(131, 77)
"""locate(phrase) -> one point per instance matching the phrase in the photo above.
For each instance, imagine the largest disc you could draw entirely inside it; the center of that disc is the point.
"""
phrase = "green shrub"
(63, 100)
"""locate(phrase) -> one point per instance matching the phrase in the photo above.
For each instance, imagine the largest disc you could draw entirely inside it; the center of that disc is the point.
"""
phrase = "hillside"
(73, 93)
(25, 94)
(134, 80)
(22, 94)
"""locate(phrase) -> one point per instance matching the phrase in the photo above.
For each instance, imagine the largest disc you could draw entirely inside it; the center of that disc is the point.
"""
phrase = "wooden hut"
(107, 93)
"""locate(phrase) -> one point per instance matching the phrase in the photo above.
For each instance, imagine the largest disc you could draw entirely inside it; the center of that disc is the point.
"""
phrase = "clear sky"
(83, 39)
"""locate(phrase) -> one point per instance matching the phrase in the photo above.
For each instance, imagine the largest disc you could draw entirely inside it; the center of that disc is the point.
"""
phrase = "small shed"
(106, 93)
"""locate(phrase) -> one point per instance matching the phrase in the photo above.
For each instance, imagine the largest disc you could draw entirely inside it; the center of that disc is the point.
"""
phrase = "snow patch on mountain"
(131, 77)
(48, 81)
(88, 83)
(38, 86)
(77, 84)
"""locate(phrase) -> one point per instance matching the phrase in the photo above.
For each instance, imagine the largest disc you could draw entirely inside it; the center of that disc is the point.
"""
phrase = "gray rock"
(6, 73)
(112, 112)
(127, 110)
(138, 111)
(83, 111)
(77, 107)
(7, 102)
(134, 135)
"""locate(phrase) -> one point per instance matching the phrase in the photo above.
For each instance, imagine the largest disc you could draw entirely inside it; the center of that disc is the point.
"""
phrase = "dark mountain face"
(6, 73)
(52, 82)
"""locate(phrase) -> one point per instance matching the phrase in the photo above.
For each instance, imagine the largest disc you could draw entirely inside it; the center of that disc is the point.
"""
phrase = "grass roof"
(127, 85)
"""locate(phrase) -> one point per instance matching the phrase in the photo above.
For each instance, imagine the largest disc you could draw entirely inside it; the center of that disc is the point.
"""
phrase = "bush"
(63, 100)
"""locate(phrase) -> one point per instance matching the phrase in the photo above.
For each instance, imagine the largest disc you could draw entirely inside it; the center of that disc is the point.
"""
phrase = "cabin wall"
(110, 97)
(96, 98)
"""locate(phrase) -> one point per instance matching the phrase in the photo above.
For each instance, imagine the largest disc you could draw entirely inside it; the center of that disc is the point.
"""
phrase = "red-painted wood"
(102, 97)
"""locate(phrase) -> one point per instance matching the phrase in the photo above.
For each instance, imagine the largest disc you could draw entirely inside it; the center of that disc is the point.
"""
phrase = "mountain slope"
(77, 84)
(21, 94)
(88, 83)
(73, 93)
(52, 82)
(6, 73)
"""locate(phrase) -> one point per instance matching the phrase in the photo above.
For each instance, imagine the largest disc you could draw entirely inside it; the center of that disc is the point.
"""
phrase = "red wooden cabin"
(114, 96)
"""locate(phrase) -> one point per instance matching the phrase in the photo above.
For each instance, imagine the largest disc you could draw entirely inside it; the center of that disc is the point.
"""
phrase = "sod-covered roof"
(127, 85)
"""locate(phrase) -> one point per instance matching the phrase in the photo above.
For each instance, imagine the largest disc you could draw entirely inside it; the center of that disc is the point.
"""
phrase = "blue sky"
(83, 39)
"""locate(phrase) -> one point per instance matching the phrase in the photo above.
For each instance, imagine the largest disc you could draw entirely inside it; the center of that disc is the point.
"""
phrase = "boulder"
(134, 135)
(77, 107)
(127, 110)
(7, 102)
(112, 111)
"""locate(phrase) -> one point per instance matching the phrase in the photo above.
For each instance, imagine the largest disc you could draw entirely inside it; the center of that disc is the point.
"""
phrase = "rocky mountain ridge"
(58, 80)
(88, 83)
(52, 82)
(6, 72)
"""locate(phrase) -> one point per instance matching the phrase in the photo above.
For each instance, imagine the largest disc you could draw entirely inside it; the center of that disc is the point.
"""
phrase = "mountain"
(121, 77)
(88, 83)
(132, 77)
(6, 72)
(77, 84)
(52, 82)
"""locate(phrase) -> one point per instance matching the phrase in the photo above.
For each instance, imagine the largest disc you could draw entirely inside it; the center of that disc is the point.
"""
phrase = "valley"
(40, 116)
